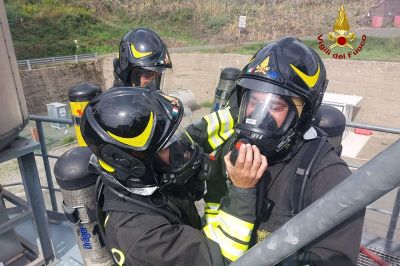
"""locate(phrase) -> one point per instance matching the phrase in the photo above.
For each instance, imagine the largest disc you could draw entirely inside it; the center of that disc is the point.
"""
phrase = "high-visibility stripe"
(235, 227)
(105, 222)
(121, 260)
(227, 123)
(230, 249)
(211, 218)
(209, 230)
(212, 129)
(212, 206)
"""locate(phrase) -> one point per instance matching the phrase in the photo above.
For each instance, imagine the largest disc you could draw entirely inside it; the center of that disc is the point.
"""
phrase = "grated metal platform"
(388, 251)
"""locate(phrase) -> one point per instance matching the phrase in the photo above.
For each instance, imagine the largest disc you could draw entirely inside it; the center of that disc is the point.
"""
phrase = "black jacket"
(140, 235)
(338, 247)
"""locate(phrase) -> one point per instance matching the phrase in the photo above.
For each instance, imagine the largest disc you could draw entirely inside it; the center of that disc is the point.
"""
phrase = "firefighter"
(152, 55)
(143, 58)
(281, 89)
(149, 169)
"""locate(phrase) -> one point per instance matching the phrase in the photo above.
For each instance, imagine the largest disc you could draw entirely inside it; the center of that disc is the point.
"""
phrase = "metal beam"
(374, 179)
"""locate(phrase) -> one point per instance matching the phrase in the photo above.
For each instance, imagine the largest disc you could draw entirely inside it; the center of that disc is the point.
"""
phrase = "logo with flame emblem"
(263, 67)
(341, 36)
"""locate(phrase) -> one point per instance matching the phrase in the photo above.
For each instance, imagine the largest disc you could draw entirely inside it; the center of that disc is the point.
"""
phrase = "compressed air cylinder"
(78, 188)
(79, 96)
(333, 122)
(224, 88)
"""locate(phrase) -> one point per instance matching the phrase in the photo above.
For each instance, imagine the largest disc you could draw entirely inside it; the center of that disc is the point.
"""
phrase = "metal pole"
(395, 217)
(376, 128)
(374, 179)
(29, 64)
(34, 194)
(46, 165)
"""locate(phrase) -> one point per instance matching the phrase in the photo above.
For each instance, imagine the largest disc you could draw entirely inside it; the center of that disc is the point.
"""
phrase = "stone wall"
(51, 84)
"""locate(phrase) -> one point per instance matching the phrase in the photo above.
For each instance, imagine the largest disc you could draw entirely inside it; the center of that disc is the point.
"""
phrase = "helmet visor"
(178, 153)
(269, 113)
(148, 77)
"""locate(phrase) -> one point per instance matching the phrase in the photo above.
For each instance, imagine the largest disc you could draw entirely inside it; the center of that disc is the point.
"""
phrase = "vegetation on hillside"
(378, 49)
(42, 28)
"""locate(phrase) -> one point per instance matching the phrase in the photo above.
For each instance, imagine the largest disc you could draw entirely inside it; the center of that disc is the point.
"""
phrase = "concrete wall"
(51, 84)
(376, 82)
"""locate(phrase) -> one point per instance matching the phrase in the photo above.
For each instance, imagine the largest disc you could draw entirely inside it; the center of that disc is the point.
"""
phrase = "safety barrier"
(29, 63)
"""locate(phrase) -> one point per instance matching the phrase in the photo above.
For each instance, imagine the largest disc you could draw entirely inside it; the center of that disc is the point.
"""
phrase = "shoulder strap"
(310, 157)
(130, 204)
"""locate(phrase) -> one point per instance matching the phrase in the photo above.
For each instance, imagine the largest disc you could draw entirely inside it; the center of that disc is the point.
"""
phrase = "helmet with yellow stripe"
(142, 59)
(280, 90)
(128, 128)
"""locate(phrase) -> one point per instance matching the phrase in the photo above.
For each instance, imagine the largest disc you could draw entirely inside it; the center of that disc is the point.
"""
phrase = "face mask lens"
(267, 112)
(178, 151)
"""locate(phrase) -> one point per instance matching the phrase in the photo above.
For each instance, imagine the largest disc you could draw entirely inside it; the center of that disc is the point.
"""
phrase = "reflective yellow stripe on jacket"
(231, 233)
(219, 127)
(211, 212)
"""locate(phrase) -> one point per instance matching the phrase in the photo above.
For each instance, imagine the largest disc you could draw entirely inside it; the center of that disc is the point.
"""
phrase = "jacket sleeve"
(231, 223)
(213, 129)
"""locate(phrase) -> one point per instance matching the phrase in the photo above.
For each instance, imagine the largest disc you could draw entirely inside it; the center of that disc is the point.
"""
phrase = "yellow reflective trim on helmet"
(138, 54)
(121, 255)
(310, 81)
(106, 167)
(138, 141)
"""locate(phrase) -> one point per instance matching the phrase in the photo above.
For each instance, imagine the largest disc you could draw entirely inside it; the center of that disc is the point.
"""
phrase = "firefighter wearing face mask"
(143, 58)
(149, 169)
(281, 89)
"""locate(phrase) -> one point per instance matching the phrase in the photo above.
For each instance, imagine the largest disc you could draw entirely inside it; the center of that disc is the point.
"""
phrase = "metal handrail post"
(46, 163)
(336, 206)
(394, 218)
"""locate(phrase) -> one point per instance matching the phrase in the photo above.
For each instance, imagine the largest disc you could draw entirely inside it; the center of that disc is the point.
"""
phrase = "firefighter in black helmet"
(149, 169)
(280, 90)
(143, 57)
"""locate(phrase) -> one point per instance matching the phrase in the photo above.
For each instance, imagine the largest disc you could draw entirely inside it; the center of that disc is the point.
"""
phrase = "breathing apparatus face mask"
(268, 119)
(179, 162)
(151, 78)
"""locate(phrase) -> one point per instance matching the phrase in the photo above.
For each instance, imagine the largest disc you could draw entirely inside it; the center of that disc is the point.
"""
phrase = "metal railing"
(395, 214)
(29, 63)
(49, 177)
(396, 208)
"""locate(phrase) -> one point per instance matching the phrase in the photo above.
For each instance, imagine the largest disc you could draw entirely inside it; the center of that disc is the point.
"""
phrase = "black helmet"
(280, 90)
(141, 53)
(126, 128)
